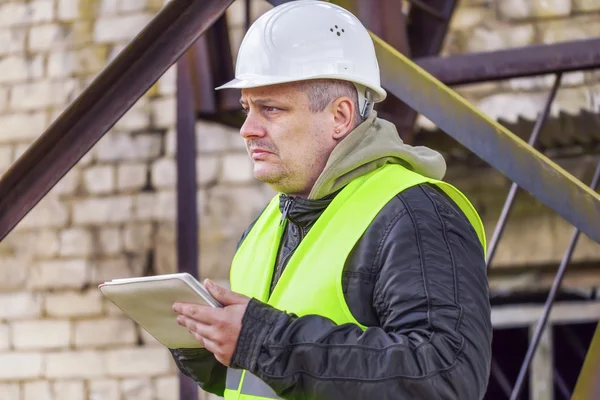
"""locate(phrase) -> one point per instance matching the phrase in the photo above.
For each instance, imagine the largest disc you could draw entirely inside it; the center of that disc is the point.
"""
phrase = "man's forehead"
(280, 92)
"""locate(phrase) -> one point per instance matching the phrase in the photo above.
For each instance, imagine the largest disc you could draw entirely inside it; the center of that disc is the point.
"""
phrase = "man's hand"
(217, 329)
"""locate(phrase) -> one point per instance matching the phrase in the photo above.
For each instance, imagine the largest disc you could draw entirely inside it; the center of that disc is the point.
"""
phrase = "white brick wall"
(75, 242)
(75, 364)
(98, 211)
(59, 274)
(110, 241)
(17, 366)
(10, 391)
(137, 389)
(139, 362)
(20, 305)
(104, 389)
(99, 179)
(131, 177)
(69, 390)
(38, 390)
(164, 173)
(105, 332)
(121, 28)
(167, 388)
(21, 126)
(73, 304)
(41, 334)
(49, 212)
(4, 338)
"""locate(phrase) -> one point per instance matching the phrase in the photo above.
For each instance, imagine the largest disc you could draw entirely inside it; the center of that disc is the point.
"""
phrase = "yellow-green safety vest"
(311, 283)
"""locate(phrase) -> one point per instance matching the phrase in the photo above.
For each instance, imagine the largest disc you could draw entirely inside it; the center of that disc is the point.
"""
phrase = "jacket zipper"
(286, 209)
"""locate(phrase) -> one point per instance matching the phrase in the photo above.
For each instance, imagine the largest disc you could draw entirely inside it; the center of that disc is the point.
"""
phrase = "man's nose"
(252, 128)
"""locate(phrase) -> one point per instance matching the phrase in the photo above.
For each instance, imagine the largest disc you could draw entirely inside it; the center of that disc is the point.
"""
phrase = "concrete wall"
(114, 214)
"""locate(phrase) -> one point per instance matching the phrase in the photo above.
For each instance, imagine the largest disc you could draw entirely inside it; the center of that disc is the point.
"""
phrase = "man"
(364, 278)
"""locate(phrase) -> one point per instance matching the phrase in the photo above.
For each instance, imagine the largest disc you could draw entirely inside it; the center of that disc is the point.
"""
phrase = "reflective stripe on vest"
(322, 253)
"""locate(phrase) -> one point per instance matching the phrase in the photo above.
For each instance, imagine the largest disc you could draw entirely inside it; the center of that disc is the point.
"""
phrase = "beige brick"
(164, 111)
(68, 10)
(465, 18)
(131, 176)
(74, 364)
(136, 389)
(45, 37)
(515, 9)
(510, 106)
(59, 274)
(120, 28)
(69, 183)
(12, 40)
(103, 210)
(41, 334)
(138, 237)
(47, 243)
(82, 32)
(6, 154)
(212, 137)
(110, 241)
(167, 85)
(167, 388)
(74, 304)
(61, 64)
(75, 242)
(17, 366)
(109, 7)
(20, 149)
(33, 96)
(237, 168)
(586, 5)
(105, 332)
(99, 179)
(207, 169)
(104, 390)
(38, 390)
(144, 205)
(133, 5)
(41, 10)
(17, 69)
(13, 274)
(555, 31)
(136, 118)
(13, 13)
(114, 268)
(551, 8)
(69, 390)
(49, 212)
(10, 391)
(138, 362)
(164, 173)
(4, 338)
(114, 147)
(160, 205)
(3, 100)
(20, 305)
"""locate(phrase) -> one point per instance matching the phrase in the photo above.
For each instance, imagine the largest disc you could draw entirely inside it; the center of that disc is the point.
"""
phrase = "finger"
(194, 327)
(224, 295)
(205, 314)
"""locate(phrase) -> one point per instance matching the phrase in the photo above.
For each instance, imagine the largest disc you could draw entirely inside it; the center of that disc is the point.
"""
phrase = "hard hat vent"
(337, 30)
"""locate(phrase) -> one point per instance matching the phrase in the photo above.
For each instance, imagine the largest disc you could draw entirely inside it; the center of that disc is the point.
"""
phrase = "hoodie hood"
(369, 146)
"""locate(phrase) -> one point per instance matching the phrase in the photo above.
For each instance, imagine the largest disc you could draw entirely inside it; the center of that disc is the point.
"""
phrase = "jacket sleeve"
(433, 339)
(203, 367)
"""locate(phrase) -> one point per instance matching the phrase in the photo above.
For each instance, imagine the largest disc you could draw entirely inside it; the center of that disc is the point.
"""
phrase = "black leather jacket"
(417, 279)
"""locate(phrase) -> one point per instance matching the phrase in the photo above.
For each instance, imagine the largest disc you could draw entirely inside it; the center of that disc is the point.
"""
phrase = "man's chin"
(265, 173)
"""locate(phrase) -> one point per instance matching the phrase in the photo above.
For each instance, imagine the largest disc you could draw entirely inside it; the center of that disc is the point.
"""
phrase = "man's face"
(288, 143)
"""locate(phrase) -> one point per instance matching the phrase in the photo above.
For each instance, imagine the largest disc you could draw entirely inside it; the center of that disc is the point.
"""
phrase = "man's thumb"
(223, 295)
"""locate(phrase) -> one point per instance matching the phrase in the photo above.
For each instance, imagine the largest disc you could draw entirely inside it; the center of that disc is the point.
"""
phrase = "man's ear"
(343, 117)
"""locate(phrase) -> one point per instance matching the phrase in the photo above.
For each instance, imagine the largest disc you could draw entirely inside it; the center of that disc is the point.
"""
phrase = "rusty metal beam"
(512, 63)
(588, 383)
(489, 140)
(428, 25)
(100, 106)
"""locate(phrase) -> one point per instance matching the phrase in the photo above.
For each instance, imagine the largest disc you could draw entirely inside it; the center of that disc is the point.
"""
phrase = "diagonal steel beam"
(489, 140)
(160, 44)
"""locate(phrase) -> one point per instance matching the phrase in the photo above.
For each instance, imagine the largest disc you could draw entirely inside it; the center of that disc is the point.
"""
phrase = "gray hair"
(321, 92)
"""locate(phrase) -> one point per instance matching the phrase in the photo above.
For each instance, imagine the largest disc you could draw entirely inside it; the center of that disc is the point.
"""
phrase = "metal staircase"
(417, 85)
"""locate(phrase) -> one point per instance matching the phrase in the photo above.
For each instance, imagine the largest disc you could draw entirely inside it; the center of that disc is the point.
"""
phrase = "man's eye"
(271, 109)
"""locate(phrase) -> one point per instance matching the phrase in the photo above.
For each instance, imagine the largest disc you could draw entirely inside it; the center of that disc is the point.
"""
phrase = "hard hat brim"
(237, 83)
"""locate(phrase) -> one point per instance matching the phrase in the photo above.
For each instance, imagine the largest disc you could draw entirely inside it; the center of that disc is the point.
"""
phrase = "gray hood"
(370, 145)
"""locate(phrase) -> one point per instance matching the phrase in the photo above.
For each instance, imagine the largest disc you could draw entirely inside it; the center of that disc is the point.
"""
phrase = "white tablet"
(149, 302)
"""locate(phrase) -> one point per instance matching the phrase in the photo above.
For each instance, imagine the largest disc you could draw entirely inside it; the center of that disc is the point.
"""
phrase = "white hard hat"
(309, 39)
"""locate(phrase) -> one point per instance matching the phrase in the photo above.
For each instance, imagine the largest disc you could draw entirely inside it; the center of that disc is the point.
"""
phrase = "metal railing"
(174, 30)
